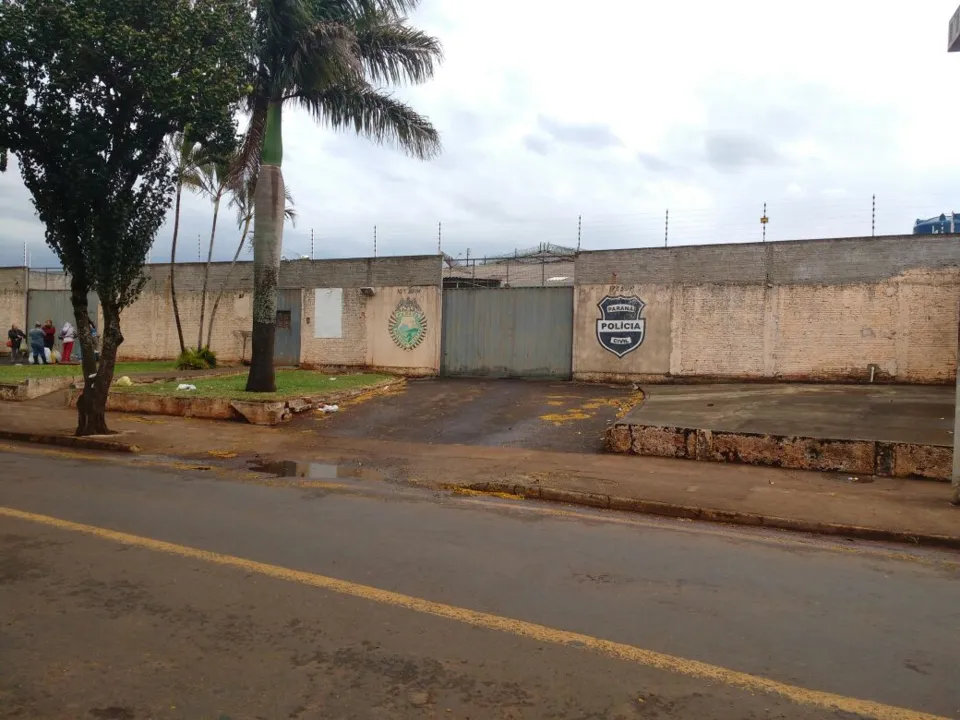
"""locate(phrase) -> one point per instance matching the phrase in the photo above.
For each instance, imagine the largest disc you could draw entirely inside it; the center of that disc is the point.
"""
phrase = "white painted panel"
(328, 313)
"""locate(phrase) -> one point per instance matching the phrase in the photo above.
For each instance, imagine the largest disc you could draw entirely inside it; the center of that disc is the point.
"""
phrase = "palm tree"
(214, 178)
(242, 200)
(185, 155)
(328, 57)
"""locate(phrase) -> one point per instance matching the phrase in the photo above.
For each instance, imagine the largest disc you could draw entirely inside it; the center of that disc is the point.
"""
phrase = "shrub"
(209, 356)
(192, 359)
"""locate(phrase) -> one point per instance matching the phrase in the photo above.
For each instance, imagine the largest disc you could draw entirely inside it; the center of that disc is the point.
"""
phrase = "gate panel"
(516, 332)
(286, 346)
(55, 305)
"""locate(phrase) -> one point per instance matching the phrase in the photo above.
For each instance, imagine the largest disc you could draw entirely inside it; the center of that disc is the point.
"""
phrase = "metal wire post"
(666, 228)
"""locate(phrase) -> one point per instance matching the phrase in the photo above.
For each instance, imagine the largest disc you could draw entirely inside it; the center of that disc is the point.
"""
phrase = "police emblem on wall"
(620, 327)
(407, 324)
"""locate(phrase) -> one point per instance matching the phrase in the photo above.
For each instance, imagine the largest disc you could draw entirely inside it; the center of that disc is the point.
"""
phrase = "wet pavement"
(96, 628)
(535, 415)
(921, 414)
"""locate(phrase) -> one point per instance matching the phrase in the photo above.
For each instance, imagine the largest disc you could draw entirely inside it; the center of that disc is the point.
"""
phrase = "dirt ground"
(567, 417)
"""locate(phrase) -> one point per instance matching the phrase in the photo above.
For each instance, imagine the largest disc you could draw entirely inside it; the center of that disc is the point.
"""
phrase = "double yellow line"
(533, 631)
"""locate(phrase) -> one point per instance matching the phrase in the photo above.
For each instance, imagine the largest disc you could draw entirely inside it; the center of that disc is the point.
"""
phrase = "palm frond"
(289, 212)
(393, 52)
(343, 9)
(247, 165)
(325, 52)
(375, 115)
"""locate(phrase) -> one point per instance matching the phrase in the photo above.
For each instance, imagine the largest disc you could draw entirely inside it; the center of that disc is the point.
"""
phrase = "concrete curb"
(731, 517)
(70, 441)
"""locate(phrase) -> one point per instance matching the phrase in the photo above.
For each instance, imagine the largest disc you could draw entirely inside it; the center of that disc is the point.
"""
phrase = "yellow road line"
(521, 628)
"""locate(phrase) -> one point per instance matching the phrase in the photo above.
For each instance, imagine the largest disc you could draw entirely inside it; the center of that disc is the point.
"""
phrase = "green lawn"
(17, 373)
(290, 383)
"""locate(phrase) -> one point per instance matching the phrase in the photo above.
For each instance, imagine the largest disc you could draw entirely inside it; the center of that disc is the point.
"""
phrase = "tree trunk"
(223, 285)
(269, 206)
(206, 273)
(173, 262)
(92, 404)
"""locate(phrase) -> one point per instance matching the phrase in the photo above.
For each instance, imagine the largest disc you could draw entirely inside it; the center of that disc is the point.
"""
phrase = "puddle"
(315, 470)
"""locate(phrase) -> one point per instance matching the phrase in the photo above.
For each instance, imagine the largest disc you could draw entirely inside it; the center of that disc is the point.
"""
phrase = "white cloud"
(710, 109)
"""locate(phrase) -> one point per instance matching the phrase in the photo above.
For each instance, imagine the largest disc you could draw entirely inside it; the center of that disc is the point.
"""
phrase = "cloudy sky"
(616, 113)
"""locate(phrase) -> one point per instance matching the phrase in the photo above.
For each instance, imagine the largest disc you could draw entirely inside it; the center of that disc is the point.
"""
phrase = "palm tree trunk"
(226, 279)
(173, 262)
(269, 206)
(206, 272)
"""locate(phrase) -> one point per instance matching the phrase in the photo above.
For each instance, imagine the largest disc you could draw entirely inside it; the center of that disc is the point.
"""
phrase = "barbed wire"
(850, 215)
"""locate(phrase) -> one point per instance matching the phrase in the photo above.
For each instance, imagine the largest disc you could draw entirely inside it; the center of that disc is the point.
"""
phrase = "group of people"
(41, 339)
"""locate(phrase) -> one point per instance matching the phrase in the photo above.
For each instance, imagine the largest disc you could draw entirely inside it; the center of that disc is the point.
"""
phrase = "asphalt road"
(153, 591)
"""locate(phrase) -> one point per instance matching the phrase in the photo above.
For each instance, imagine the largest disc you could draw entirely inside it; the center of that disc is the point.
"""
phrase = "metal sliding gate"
(515, 332)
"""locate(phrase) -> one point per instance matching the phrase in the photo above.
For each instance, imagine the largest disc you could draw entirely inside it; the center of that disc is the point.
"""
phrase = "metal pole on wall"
(311, 244)
(440, 238)
(763, 222)
(873, 217)
(953, 45)
(579, 229)
(374, 240)
(666, 228)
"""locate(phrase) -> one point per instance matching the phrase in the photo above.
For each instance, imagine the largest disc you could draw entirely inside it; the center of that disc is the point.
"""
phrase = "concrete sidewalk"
(862, 506)
(891, 430)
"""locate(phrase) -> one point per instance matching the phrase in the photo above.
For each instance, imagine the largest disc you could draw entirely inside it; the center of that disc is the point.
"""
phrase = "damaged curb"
(70, 441)
(730, 517)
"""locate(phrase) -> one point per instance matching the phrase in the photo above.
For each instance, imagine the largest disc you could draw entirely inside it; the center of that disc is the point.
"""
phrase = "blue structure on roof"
(938, 225)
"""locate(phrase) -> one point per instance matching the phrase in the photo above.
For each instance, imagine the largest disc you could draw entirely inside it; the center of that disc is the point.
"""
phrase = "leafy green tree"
(329, 57)
(89, 90)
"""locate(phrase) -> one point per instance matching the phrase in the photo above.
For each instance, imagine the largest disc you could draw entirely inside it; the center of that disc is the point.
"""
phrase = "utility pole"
(953, 45)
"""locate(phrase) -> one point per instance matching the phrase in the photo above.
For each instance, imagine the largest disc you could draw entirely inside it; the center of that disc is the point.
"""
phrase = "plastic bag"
(47, 355)
(185, 386)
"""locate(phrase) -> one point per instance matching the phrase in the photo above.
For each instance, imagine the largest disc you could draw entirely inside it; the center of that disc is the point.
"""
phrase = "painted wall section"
(396, 329)
(803, 310)
(328, 313)
(13, 302)
(150, 331)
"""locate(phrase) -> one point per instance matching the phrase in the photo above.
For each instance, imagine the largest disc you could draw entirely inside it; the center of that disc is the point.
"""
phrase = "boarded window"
(328, 313)
(283, 319)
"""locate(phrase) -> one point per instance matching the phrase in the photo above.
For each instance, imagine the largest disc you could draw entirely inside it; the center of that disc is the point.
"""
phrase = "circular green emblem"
(407, 324)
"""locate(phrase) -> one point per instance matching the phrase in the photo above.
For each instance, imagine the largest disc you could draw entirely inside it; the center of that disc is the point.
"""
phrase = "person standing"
(49, 335)
(38, 337)
(68, 335)
(15, 334)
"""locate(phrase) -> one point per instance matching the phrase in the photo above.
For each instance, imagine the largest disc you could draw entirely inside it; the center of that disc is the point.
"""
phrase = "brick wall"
(150, 331)
(808, 310)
